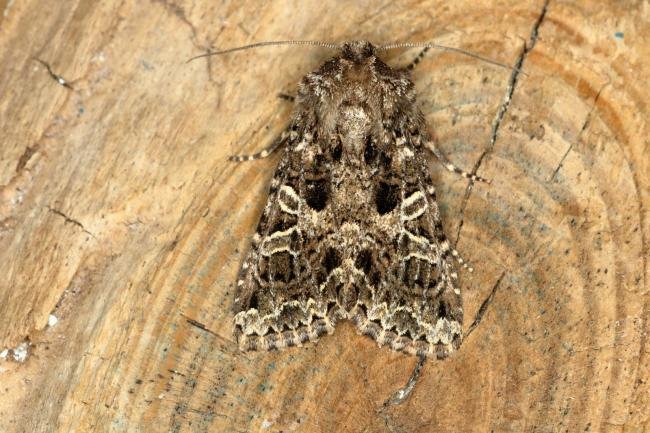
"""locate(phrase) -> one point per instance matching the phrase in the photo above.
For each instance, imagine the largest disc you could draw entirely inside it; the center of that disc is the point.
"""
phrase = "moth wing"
(277, 301)
(412, 304)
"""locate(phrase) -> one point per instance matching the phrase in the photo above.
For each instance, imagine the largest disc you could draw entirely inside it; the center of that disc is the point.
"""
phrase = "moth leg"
(446, 248)
(451, 167)
(264, 153)
(417, 59)
(460, 260)
(286, 97)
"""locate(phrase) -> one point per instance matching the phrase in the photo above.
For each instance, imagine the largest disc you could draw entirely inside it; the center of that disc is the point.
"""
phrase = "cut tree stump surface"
(122, 221)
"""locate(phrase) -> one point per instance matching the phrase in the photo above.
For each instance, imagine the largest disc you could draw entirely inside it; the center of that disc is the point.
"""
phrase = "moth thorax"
(355, 125)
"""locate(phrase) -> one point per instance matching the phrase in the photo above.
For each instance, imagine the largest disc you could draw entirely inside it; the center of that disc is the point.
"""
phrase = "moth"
(352, 229)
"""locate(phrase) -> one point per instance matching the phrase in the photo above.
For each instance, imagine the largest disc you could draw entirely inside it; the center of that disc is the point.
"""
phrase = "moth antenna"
(445, 48)
(264, 44)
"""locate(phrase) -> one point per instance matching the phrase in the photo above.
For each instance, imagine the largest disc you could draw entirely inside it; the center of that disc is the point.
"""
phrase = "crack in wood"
(229, 343)
(484, 306)
(199, 325)
(503, 109)
(25, 157)
(402, 394)
(56, 77)
(582, 130)
(70, 220)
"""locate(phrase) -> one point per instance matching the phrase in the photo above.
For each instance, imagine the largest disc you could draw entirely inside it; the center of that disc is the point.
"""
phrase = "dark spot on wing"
(369, 152)
(253, 302)
(337, 149)
(364, 261)
(317, 194)
(331, 260)
(386, 197)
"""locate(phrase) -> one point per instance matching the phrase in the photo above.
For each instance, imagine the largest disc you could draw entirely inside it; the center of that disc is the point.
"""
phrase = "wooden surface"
(121, 218)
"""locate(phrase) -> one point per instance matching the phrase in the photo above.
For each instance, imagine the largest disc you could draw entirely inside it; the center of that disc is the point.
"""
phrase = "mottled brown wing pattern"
(352, 229)
(415, 307)
(278, 302)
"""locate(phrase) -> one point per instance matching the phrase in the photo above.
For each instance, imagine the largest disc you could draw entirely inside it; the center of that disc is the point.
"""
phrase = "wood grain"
(121, 217)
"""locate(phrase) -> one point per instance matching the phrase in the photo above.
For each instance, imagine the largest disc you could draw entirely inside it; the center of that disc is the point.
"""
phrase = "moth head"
(357, 51)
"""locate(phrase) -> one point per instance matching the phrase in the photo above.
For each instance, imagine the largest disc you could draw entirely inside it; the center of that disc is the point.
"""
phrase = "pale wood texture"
(121, 217)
